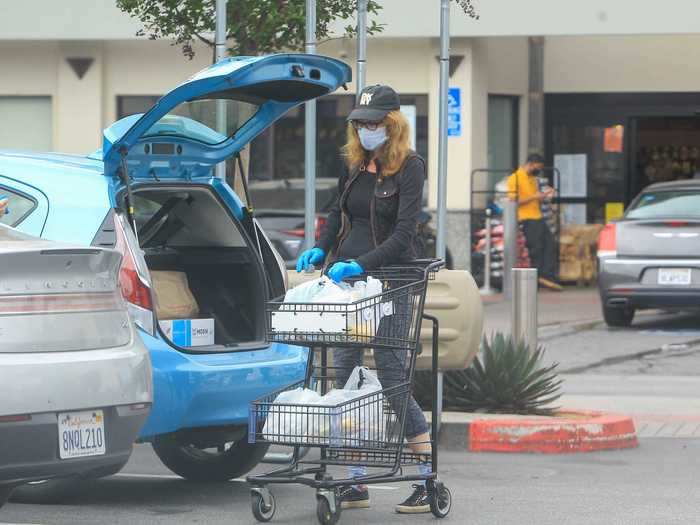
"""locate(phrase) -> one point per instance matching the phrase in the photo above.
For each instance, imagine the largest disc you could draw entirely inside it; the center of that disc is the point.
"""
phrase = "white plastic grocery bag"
(296, 416)
(362, 319)
(342, 417)
(359, 413)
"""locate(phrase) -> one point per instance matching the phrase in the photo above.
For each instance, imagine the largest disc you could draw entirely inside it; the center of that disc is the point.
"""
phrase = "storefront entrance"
(619, 143)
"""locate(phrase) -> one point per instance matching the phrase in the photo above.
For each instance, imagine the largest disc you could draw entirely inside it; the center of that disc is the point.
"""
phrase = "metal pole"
(220, 53)
(310, 139)
(510, 245)
(440, 244)
(486, 288)
(524, 307)
(361, 45)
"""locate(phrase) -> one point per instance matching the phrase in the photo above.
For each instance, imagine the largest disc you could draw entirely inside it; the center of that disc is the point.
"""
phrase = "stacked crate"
(578, 245)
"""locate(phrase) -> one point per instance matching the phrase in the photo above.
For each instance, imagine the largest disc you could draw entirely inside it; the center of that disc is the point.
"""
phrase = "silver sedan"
(76, 380)
(651, 257)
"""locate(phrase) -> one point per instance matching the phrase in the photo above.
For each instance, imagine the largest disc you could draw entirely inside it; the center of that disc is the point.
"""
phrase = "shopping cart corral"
(368, 430)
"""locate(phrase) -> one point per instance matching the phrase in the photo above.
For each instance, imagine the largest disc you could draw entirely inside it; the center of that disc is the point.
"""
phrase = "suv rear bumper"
(215, 389)
(29, 449)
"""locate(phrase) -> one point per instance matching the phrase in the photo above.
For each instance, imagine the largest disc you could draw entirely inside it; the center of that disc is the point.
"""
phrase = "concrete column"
(78, 102)
(535, 135)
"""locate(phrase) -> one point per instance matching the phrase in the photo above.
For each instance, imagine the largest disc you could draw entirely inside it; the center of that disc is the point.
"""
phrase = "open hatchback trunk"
(210, 263)
(204, 268)
(214, 114)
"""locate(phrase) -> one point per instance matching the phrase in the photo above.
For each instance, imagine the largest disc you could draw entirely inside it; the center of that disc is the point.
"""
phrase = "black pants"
(540, 245)
(391, 365)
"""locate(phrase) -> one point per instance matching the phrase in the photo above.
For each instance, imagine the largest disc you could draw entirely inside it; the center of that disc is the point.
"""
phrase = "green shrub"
(506, 378)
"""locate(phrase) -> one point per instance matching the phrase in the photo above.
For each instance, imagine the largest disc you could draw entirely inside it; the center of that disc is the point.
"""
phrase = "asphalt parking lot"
(654, 484)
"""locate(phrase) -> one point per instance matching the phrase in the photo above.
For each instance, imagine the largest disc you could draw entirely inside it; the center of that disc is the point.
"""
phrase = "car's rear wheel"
(618, 317)
(221, 463)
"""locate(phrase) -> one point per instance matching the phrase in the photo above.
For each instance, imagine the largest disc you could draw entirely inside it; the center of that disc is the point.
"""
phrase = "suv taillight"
(320, 223)
(607, 241)
(134, 280)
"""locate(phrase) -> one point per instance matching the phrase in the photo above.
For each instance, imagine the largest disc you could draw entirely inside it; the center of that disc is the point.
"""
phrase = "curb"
(579, 431)
(557, 330)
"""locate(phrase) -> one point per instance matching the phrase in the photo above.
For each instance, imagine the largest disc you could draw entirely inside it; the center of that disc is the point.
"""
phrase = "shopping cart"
(368, 430)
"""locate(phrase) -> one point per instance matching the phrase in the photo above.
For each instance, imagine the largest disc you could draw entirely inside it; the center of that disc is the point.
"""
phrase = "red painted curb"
(580, 432)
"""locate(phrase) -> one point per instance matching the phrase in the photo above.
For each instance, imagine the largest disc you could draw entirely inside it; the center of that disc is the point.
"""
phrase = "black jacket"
(393, 215)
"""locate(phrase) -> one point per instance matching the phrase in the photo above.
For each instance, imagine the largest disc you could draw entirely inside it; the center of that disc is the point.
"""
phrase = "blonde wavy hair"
(391, 154)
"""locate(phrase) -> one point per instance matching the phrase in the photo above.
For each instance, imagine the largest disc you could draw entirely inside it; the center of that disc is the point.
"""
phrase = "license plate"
(81, 434)
(674, 276)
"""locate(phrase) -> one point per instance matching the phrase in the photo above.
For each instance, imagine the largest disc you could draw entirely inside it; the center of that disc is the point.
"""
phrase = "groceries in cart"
(347, 417)
(354, 309)
(325, 290)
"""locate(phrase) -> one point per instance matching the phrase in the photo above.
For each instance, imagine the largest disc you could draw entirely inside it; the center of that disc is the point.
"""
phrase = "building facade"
(620, 89)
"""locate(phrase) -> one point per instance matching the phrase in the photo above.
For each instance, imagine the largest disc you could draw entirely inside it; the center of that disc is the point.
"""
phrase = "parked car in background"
(650, 258)
(279, 206)
(76, 378)
(201, 268)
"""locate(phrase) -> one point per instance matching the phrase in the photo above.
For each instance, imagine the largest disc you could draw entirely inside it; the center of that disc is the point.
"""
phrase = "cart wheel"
(440, 500)
(323, 511)
(263, 512)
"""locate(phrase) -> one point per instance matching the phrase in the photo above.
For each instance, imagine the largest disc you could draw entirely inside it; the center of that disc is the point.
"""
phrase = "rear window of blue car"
(210, 121)
(666, 204)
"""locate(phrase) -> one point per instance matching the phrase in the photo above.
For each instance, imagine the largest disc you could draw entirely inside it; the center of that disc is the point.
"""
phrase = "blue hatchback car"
(152, 193)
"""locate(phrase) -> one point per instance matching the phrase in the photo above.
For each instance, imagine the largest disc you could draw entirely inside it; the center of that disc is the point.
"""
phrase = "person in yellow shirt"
(524, 187)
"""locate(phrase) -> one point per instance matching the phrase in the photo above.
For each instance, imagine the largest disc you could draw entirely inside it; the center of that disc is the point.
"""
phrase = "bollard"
(486, 288)
(510, 245)
(524, 306)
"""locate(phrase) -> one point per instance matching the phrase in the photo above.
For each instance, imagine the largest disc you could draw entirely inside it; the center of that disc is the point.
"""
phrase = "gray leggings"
(391, 366)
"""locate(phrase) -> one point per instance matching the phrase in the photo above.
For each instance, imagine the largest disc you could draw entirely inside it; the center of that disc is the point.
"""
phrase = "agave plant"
(508, 377)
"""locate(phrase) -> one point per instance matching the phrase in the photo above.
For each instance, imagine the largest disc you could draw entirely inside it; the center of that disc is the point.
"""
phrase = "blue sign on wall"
(454, 113)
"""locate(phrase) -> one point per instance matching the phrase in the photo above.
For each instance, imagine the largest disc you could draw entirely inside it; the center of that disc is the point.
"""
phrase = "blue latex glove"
(341, 270)
(313, 256)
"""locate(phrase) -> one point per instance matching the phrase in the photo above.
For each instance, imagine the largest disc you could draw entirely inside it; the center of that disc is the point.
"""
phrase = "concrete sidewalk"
(661, 406)
(574, 305)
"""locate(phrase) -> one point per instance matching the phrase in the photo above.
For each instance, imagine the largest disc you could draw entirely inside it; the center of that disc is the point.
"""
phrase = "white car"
(76, 380)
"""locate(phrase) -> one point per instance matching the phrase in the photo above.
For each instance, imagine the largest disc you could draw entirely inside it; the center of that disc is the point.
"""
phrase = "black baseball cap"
(535, 158)
(374, 103)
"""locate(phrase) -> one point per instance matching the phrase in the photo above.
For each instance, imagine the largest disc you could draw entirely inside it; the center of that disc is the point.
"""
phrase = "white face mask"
(371, 140)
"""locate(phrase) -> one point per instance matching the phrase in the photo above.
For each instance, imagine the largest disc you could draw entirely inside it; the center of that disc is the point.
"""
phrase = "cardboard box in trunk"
(189, 332)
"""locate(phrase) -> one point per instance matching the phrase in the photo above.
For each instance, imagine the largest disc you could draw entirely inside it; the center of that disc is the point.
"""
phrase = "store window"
(620, 143)
(133, 104)
(503, 132)
(278, 153)
(26, 123)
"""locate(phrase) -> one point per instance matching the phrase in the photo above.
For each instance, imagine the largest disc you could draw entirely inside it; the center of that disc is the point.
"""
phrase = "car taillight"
(607, 241)
(16, 418)
(320, 223)
(297, 232)
(133, 279)
(676, 223)
(60, 303)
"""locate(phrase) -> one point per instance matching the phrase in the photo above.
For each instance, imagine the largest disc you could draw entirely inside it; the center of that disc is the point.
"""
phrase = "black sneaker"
(354, 497)
(417, 503)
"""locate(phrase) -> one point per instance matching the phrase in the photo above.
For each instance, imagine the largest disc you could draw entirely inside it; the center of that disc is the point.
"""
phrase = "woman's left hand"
(341, 270)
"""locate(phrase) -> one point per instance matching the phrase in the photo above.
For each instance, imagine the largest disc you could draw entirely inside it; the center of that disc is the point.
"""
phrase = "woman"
(373, 224)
